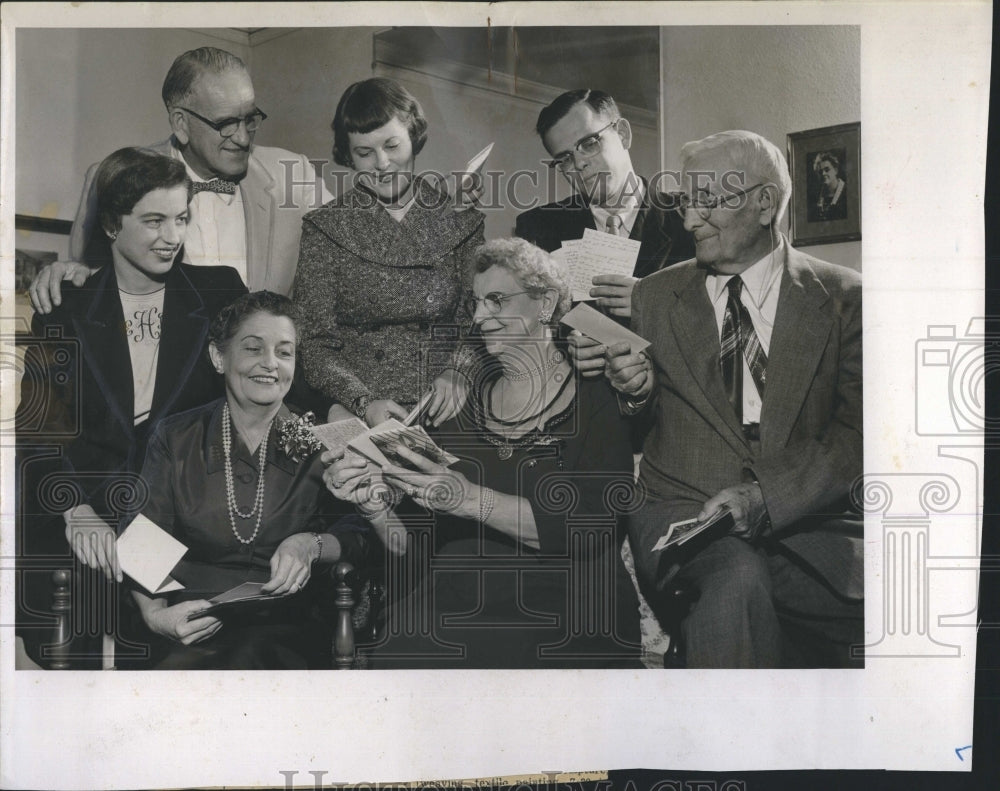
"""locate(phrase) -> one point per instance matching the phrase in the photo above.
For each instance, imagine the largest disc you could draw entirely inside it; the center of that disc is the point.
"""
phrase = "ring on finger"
(410, 491)
(335, 484)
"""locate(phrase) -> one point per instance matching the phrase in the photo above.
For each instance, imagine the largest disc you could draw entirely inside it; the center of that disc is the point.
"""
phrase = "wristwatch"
(360, 406)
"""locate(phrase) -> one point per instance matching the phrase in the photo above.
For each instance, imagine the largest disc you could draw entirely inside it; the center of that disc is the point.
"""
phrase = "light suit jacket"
(277, 191)
(810, 449)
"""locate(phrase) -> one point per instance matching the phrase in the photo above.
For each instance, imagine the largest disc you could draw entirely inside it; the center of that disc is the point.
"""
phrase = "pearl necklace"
(258, 503)
(518, 376)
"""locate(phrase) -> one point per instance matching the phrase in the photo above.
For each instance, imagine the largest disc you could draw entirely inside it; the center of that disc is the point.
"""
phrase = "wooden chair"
(348, 591)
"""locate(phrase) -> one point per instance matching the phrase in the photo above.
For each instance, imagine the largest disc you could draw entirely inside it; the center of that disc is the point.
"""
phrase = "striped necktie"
(738, 334)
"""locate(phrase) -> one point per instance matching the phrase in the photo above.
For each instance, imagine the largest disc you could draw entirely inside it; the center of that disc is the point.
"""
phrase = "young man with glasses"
(249, 200)
(754, 383)
(589, 142)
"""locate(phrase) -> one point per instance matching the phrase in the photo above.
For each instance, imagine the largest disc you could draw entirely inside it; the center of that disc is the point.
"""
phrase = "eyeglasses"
(704, 204)
(493, 301)
(587, 147)
(228, 127)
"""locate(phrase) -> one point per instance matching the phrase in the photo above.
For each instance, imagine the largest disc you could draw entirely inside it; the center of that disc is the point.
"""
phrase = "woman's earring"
(545, 316)
(112, 235)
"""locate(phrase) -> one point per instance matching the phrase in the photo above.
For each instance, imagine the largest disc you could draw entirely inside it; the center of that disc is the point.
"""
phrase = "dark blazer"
(810, 449)
(78, 391)
(659, 228)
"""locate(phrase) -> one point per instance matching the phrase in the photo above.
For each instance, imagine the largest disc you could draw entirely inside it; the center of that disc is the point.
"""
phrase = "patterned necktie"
(738, 334)
(614, 225)
(220, 186)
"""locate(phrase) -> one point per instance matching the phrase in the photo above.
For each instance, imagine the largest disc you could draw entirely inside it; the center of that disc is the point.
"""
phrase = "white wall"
(82, 94)
(764, 80)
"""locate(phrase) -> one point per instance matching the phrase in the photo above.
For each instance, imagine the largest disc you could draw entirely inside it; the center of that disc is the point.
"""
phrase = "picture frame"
(825, 166)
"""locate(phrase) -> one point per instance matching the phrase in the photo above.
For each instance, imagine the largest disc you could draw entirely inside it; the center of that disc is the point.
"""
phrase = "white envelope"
(148, 554)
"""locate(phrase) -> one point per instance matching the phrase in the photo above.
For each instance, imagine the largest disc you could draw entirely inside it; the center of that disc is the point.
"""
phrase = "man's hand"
(746, 502)
(451, 391)
(587, 354)
(46, 288)
(629, 374)
(614, 293)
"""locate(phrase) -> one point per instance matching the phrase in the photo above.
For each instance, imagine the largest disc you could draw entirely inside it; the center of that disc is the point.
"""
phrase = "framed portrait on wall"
(825, 166)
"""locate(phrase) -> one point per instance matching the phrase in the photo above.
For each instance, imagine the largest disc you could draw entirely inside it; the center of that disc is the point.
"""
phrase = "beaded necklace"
(258, 503)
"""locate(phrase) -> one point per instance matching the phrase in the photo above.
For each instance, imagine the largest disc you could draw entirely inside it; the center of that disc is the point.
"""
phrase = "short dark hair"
(827, 156)
(229, 319)
(599, 101)
(124, 177)
(187, 68)
(370, 104)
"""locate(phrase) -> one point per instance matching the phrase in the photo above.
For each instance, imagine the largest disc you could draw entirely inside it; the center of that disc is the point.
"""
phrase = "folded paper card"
(244, 596)
(681, 532)
(596, 254)
(478, 160)
(379, 444)
(148, 553)
(602, 329)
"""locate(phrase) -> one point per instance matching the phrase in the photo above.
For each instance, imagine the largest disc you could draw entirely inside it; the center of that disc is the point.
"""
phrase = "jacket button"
(246, 477)
(379, 354)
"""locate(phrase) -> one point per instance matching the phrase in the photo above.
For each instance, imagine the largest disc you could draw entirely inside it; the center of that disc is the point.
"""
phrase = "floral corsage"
(296, 437)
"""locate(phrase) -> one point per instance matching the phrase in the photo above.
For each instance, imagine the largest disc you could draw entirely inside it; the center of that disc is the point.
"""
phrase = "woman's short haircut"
(370, 104)
(758, 158)
(534, 269)
(225, 325)
(187, 68)
(125, 176)
(827, 156)
(600, 102)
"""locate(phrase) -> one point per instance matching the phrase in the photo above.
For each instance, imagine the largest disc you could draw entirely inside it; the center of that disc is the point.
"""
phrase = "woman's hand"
(450, 392)
(433, 485)
(93, 541)
(355, 480)
(383, 409)
(291, 564)
(172, 622)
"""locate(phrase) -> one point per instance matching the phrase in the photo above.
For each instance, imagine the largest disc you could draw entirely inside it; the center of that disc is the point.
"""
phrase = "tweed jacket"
(810, 449)
(374, 292)
(277, 191)
(659, 228)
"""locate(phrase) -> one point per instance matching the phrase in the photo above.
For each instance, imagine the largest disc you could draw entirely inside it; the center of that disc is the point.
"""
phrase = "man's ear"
(179, 125)
(768, 205)
(625, 133)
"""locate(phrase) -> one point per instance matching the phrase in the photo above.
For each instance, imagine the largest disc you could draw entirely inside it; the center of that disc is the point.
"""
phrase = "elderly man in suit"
(754, 378)
(589, 142)
(249, 200)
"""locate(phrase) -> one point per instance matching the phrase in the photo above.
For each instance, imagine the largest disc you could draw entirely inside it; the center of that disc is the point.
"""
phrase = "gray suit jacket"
(810, 449)
(277, 191)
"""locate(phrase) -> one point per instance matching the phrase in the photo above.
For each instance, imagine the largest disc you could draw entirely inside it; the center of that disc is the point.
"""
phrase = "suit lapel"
(801, 329)
(104, 347)
(182, 338)
(259, 210)
(650, 230)
(694, 326)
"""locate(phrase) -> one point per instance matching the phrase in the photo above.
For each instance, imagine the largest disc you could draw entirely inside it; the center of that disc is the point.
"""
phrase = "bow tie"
(220, 186)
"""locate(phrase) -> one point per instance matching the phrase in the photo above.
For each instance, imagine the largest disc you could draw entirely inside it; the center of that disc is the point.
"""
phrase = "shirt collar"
(627, 209)
(758, 279)
(227, 199)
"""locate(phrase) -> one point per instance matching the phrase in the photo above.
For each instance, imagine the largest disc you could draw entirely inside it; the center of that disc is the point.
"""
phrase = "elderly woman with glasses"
(525, 569)
(381, 265)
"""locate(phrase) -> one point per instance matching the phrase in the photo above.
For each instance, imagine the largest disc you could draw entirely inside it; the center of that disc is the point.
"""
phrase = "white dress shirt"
(761, 284)
(217, 230)
(631, 202)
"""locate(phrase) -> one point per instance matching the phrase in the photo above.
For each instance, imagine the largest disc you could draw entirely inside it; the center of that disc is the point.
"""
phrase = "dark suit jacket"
(660, 229)
(810, 449)
(77, 392)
